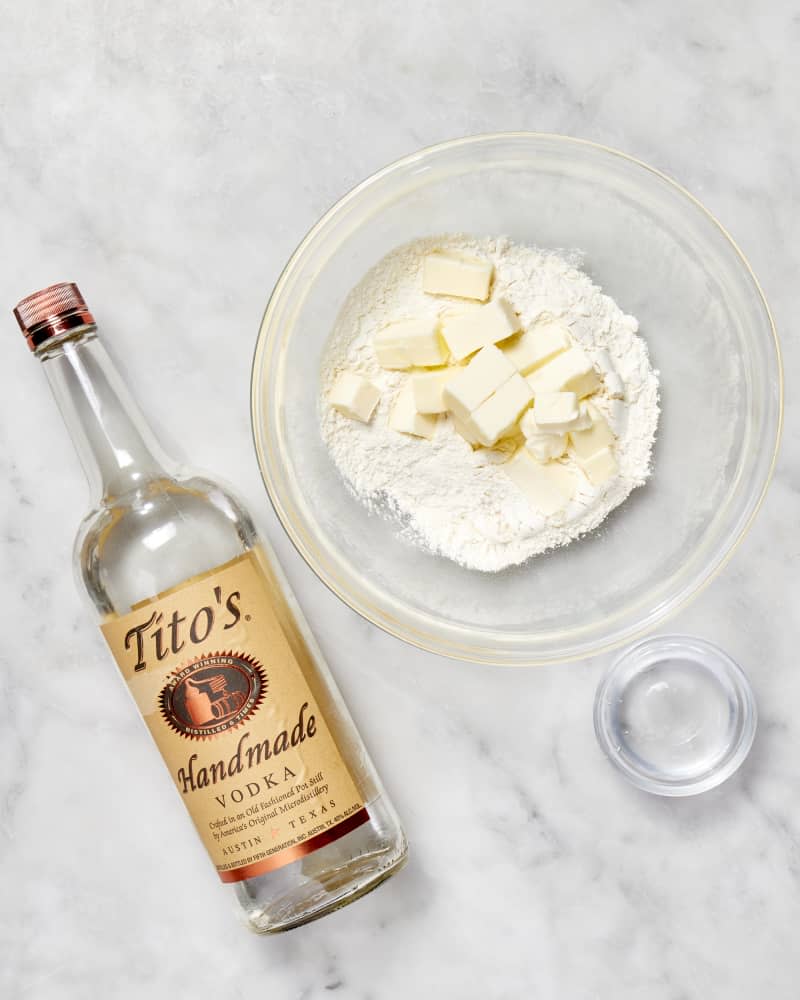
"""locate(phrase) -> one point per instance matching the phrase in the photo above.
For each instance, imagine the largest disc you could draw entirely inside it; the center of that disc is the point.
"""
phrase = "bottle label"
(221, 684)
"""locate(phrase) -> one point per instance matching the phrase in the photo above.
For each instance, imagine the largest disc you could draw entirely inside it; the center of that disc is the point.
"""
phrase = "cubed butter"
(468, 332)
(471, 385)
(428, 390)
(390, 347)
(467, 429)
(600, 467)
(536, 346)
(404, 416)
(556, 412)
(546, 447)
(464, 277)
(528, 424)
(410, 342)
(618, 417)
(571, 371)
(615, 387)
(603, 362)
(498, 415)
(505, 449)
(598, 436)
(548, 488)
(584, 421)
(542, 445)
(354, 396)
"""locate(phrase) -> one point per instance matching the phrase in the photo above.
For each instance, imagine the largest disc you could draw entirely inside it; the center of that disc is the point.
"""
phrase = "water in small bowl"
(676, 715)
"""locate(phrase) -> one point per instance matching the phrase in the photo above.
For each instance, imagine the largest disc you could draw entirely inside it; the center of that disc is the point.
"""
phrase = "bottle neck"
(116, 447)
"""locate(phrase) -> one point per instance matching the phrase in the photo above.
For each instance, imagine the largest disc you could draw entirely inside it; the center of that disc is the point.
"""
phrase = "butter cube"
(467, 430)
(505, 449)
(546, 447)
(548, 488)
(390, 348)
(589, 442)
(498, 415)
(528, 425)
(428, 390)
(468, 332)
(410, 342)
(600, 467)
(536, 346)
(618, 417)
(584, 421)
(603, 362)
(571, 371)
(556, 412)
(447, 273)
(404, 416)
(354, 396)
(542, 445)
(470, 386)
(615, 387)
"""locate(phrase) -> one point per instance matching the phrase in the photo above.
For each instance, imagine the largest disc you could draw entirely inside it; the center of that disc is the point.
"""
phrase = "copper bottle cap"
(52, 312)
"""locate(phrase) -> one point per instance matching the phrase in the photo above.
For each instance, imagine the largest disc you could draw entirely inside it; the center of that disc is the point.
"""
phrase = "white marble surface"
(169, 157)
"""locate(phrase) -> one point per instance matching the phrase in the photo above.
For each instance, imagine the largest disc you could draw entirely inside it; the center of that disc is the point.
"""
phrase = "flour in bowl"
(446, 497)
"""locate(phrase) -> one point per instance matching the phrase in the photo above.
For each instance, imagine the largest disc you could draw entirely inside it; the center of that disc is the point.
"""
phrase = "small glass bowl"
(676, 715)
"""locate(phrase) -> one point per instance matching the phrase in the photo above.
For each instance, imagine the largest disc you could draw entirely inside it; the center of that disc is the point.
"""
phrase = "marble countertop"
(169, 157)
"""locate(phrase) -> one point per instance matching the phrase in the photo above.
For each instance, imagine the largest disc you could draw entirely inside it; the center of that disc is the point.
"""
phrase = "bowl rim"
(453, 647)
(725, 663)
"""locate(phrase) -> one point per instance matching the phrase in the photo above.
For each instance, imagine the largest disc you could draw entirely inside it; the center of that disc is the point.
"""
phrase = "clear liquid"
(170, 530)
(675, 719)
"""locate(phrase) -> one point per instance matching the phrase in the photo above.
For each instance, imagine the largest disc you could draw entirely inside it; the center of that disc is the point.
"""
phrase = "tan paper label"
(215, 678)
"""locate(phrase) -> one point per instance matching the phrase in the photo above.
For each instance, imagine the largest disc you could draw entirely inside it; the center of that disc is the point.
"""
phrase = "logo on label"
(212, 694)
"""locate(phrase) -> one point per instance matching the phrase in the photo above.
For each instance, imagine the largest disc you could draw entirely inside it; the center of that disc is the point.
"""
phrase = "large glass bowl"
(664, 259)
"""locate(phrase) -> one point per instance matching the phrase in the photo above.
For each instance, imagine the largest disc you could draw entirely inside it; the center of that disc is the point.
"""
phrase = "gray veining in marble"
(169, 157)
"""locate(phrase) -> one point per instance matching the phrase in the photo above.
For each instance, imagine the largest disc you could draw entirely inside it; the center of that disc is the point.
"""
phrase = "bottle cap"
(51, 312)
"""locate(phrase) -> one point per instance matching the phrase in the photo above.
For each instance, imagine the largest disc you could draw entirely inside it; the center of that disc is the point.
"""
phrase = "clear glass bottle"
(216, 652)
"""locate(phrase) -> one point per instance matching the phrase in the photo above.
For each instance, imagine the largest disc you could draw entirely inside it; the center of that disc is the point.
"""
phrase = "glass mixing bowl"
(654, 249)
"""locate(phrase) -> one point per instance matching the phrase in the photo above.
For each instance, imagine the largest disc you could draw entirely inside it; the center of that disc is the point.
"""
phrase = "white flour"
(445, 497)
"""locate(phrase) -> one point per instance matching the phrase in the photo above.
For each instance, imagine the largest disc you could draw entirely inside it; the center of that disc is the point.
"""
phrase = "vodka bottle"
(215, 652)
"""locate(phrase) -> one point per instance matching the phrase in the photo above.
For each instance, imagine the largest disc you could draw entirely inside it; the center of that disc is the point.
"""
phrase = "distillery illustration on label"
(239, 728)
(212, 694)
